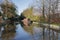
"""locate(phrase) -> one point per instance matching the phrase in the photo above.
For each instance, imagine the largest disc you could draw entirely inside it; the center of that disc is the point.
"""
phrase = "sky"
(22, 5)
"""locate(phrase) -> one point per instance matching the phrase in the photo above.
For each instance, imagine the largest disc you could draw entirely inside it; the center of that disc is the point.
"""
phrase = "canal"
(32, 32)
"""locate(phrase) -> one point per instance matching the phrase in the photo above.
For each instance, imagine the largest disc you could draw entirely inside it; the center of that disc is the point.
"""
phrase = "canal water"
(32, 32)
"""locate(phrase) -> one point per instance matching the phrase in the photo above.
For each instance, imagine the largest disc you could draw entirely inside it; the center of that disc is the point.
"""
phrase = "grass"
(58, 24)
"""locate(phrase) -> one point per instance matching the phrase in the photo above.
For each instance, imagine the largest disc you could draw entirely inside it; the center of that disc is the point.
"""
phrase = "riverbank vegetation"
(28, 13)
(8, 11)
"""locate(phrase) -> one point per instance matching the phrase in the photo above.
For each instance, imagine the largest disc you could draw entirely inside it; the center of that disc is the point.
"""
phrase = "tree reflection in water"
(8, 33)
(9, 27)
(35, 30)
(7, 36)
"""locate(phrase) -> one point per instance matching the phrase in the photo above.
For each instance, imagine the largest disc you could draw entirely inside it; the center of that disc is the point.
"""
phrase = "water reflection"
(35, 30)
(8, 36)
(32, 32)
(21, 34)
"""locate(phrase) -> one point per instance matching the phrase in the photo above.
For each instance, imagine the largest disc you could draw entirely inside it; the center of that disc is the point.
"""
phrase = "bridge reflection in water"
(33, 32)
